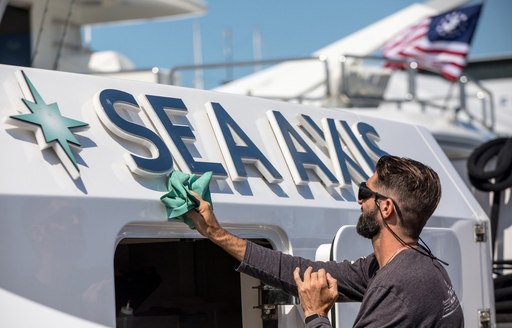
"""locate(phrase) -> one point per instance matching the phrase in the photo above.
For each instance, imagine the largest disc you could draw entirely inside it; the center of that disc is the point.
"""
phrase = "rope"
(495, 180)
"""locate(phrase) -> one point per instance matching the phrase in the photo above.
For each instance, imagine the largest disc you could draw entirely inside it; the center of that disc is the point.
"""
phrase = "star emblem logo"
(50, 127)
(452, 24)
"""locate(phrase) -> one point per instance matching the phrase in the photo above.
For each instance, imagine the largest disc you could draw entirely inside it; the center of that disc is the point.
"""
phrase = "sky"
(287, 28)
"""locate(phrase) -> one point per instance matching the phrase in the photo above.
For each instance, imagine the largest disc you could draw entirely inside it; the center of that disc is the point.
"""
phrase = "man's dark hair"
(415, 187)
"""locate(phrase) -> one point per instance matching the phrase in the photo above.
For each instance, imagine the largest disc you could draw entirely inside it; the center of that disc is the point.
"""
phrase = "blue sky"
(288, 28)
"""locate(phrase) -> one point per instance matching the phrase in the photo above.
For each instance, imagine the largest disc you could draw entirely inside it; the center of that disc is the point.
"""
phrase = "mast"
(198, 56)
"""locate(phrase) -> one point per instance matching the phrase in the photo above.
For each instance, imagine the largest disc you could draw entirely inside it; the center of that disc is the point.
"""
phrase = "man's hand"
(317, 292)
(204, 220)
(207, 225)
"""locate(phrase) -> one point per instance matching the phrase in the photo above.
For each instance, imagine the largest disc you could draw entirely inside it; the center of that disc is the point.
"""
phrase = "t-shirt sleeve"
(276, 269)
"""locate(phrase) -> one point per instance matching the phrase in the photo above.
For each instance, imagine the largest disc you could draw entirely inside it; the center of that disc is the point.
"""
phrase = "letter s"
(161, 161)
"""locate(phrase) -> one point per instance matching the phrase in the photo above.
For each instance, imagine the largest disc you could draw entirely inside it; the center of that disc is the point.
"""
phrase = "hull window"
(15, 37)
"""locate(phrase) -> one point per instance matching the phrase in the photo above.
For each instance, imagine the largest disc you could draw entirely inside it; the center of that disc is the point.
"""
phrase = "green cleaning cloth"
(178, 201)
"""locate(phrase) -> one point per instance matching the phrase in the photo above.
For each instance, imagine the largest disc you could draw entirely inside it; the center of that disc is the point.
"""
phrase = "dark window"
(176, 283)
(15, 37)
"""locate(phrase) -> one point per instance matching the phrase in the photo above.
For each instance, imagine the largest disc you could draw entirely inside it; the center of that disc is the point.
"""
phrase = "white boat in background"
(106, 209)
(48, 33)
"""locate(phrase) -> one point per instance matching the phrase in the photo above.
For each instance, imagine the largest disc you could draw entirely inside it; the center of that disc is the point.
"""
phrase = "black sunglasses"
(365, 192)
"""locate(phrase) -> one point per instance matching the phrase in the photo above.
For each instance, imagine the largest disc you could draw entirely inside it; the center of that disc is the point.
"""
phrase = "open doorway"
(177, 283)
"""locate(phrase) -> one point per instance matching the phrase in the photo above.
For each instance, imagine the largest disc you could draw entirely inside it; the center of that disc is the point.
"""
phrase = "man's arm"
(207, 225)
(272, 267)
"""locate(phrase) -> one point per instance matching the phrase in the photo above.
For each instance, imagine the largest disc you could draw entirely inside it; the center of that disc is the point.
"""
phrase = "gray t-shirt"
(412, 290)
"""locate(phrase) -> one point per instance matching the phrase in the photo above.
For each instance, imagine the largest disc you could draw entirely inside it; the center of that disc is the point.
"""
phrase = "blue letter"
(369, 136)
(353, 144)
(298, 161)
(339, 158)
(236, 155)
(161, 163)
(174, 135)
(313, 131)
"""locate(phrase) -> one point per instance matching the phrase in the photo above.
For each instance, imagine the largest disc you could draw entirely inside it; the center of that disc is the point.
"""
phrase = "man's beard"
(367, 225)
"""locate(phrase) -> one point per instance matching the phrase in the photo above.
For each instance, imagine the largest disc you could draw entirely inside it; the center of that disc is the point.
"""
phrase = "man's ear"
(387, 208)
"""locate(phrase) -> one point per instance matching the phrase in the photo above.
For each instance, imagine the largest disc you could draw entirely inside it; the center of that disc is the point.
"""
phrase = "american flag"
(439, 43)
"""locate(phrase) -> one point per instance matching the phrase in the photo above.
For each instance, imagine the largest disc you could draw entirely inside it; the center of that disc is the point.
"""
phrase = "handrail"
(488, 114)
(300, 98)
(492, 113)
(322, 59)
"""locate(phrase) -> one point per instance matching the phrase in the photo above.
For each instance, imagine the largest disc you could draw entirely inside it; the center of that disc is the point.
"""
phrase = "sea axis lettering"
(352, 151)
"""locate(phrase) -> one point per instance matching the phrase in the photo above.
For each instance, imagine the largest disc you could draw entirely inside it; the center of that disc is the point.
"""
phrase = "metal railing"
(483, 95)
(300, 96)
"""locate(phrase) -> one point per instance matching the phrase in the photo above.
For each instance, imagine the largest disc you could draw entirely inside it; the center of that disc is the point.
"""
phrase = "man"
(401, 284)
